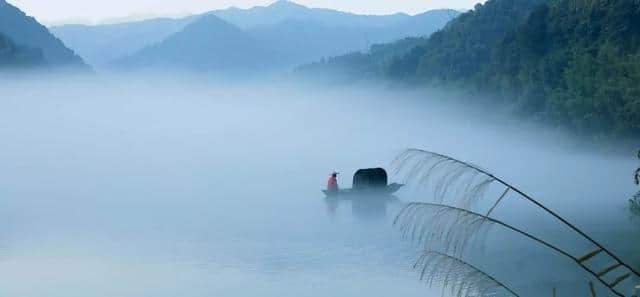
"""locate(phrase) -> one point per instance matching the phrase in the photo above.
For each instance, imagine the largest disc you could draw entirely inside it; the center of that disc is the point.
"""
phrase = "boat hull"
(346, 193)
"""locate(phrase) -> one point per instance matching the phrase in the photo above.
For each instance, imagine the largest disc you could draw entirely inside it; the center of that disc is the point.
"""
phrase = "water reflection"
(364, 207)
(332, 204)
(3, 252)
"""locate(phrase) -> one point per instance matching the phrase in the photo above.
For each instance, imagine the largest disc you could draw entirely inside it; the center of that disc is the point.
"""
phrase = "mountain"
(283, 10)
(421, 24)
(282, 27)
(102, 44)
(209, 44)
(459, 50)
(358, 66)
(465, 46)
(14, 57)
(576, 64)
(322, 40)
(25, 31)
(573, 64)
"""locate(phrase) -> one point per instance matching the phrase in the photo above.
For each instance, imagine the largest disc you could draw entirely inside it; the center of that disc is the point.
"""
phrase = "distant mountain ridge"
(209, 44)
(296, 34)
(283, 10)
(26, 32)
(102, 44)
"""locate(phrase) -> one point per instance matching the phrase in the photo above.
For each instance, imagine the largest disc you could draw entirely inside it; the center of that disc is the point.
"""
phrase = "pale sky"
(87, 11)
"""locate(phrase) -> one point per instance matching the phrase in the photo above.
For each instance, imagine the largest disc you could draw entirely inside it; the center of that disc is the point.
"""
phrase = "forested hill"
(457, 51)
(574, 63)
(26, 32)
(13, 56)
(577, 63)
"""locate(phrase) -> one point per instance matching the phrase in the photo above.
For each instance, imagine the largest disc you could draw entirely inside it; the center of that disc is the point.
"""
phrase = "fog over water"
(151, 187)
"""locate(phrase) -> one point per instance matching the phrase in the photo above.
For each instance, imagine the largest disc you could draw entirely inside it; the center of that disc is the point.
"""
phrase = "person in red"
(332, 183)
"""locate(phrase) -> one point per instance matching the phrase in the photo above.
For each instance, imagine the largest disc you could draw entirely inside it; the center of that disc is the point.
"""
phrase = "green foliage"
(14, 56)
(463, 48)
(347, 68)
(356, 65)
(580, 60)
(572, 63)
(27, 32)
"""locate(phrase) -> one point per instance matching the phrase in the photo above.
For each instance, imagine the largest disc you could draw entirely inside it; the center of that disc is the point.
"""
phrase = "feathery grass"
(428, 225)
(459, 277)
(467, 183)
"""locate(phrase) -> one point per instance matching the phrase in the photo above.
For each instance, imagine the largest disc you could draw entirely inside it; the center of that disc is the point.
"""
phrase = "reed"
(425, 223)
(465, 182)
(456, 227)
(460, 278)
(430, 225)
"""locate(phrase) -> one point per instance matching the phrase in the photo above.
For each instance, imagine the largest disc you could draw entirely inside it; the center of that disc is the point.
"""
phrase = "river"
(153, 188)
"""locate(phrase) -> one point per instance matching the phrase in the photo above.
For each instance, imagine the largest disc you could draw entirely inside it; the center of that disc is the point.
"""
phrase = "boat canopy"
(372, 178)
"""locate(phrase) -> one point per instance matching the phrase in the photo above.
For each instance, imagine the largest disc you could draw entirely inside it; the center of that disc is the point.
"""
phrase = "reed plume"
(429, 225)
(466, 182)
(460, 278)
(455, 227)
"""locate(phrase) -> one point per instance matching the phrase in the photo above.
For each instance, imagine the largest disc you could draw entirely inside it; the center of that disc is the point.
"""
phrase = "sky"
(96, 11)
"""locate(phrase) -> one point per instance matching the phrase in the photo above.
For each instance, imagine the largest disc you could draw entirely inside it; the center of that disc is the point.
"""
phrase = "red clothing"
(332, 184)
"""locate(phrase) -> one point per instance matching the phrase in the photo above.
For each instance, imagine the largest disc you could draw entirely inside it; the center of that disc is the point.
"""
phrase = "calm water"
(152, 188)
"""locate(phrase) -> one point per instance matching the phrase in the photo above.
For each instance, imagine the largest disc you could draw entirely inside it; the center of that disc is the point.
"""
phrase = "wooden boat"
(345, 193)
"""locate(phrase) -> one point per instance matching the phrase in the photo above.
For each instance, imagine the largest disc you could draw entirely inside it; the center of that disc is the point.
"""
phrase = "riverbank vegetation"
(573, 64)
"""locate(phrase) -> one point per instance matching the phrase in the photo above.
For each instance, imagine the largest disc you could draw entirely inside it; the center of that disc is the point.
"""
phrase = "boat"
(346, 193)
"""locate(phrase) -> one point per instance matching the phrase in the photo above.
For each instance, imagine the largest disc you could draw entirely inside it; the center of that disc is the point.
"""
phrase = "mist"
(134, 186)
